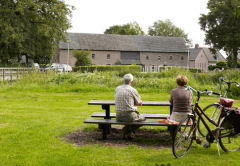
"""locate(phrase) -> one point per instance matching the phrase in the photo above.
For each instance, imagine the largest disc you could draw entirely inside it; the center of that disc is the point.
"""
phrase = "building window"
(182, 58)
(152, 68)
(170, 58)
(93, 56)
(108, 56)
(159, 58)
(147, 57)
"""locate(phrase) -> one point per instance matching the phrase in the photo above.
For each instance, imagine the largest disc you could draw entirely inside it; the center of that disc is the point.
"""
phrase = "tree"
(222, 26)
(32, 28)
(82, 57)
(167, 28)
(126, 29)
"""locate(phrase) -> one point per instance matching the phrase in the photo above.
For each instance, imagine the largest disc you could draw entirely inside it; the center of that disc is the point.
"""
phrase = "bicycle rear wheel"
(213, 111)
(183, 136)
(228, 139)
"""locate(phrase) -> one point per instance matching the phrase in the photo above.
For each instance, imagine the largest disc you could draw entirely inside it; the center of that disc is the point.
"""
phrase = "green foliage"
(166, 68)
(157, 82)
(118, 62)
(126, 29)
(194, 70)
(32, 28)
(167, 28)
(100, 68)
(221, 25)
(82, 57)
(221, 64)
(212, 67)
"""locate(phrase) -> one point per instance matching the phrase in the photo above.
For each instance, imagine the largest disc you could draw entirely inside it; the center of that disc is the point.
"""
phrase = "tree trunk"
(235, 54)
(26, 59)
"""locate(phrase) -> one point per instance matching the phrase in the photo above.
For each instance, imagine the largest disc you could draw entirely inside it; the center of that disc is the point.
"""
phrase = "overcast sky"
(95, 16)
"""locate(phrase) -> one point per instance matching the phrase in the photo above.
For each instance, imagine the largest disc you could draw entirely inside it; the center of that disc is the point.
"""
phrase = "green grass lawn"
(33, 125)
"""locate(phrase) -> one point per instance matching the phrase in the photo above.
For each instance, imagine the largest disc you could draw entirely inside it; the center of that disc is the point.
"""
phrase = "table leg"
(107, 116)
(107, 110)
(104, 131)
(169, 127)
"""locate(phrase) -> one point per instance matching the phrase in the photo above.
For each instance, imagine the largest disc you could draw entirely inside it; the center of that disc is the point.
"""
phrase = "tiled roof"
(193, 53)
(211, 56)
(111, 42)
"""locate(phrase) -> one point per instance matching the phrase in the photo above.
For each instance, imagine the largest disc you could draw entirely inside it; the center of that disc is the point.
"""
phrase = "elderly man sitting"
(126, 101)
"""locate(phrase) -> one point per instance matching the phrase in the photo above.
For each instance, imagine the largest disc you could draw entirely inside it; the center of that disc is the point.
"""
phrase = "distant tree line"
(159, 28)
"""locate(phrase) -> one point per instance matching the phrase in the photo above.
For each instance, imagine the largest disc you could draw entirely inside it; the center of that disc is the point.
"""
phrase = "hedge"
(100, 68)
(193, 70)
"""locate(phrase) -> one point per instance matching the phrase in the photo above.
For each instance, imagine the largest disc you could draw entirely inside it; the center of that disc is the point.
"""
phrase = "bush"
(238, 64)
(211, 67)
(194, 70)
(82, 57)
(102, 68)
(222, 64)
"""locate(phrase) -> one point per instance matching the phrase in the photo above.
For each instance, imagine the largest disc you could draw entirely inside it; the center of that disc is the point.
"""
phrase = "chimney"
(196, 45)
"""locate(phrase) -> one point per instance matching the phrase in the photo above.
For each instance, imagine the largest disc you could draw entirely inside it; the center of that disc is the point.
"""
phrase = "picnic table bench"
(105, 124)
(147, 116)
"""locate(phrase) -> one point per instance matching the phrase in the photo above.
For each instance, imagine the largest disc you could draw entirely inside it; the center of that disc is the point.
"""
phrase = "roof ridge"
(123, 35)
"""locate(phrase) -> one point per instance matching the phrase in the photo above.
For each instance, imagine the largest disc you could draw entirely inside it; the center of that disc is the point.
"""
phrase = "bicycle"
(214, 109)
(186, 130)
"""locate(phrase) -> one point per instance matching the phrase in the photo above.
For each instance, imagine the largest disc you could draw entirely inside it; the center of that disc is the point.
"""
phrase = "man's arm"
(137, 98)
(140, 103)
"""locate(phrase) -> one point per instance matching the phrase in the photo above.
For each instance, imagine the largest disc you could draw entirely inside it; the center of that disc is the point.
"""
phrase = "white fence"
(13, 73)
(160, 68)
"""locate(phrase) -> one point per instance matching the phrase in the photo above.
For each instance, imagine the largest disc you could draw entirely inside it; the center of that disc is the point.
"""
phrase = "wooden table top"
(145, 103)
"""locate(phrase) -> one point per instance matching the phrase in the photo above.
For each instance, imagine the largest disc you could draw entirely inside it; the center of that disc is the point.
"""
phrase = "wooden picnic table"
(106, 105)
(105, 124)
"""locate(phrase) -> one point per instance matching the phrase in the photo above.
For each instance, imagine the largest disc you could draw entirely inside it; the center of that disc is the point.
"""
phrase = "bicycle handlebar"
(229, 82)
(203, 92)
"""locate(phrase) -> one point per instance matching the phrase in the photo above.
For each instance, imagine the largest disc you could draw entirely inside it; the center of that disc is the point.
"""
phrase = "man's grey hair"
(127, 79)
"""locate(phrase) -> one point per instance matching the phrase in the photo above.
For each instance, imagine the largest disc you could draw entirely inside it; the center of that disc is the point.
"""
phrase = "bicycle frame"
(229, 83)
(201, 114)
(183, 137)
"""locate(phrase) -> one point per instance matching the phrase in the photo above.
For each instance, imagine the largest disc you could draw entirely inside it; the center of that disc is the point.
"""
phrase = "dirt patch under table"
(148, 138)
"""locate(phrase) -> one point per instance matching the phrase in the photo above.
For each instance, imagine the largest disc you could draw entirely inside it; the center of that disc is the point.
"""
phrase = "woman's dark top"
(181, 99)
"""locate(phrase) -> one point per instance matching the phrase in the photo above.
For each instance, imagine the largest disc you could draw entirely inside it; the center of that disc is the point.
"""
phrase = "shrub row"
(156, 82)
(100, 68)
(193, 70)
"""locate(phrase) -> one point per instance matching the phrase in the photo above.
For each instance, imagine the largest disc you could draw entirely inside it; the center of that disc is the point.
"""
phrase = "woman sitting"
(181, 99)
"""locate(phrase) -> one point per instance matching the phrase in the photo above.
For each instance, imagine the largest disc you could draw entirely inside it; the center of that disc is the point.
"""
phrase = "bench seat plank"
(148, 116)
(113, 121)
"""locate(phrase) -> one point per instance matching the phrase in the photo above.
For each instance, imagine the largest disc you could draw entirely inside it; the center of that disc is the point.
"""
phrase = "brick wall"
(100, 58)
(201, 62)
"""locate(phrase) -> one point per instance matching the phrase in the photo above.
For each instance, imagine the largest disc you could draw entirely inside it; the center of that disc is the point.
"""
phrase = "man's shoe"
(198, 140)
(206, 145)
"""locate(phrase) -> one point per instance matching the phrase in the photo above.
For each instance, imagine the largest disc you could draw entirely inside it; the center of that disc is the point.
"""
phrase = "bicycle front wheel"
(229, 140)
(213, 112)
(183, 136)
